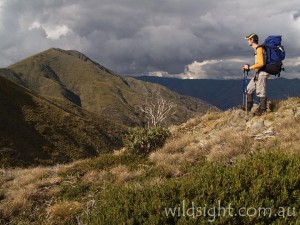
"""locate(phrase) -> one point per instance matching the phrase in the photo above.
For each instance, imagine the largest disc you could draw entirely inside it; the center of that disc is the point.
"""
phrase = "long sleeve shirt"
(259, 59)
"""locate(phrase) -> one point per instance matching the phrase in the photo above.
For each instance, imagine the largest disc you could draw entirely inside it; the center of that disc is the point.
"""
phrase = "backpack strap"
(265, 59)
(259, 46)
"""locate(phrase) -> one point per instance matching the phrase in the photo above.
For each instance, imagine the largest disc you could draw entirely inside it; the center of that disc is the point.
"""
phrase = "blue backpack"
(275, 54)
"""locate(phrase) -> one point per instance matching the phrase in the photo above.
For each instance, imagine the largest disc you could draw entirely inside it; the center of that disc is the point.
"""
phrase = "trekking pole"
(245, 89)
(244, 86)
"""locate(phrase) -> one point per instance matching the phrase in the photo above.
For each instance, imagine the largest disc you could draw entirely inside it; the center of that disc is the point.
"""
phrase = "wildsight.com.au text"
(211, 213)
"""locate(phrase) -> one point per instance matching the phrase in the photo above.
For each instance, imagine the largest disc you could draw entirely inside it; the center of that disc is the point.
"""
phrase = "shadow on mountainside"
(18, 138)
(41, 131)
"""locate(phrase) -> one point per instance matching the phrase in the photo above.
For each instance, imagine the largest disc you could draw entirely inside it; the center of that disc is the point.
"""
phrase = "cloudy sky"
(187, 38)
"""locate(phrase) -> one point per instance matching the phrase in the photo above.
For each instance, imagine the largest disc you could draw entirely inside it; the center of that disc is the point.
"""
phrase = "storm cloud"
(139, 36)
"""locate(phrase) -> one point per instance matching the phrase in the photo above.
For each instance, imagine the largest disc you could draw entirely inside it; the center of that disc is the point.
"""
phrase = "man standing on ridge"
(259, 81)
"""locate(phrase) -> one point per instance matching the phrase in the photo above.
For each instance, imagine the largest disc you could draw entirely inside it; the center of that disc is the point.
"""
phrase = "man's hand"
(246, 67)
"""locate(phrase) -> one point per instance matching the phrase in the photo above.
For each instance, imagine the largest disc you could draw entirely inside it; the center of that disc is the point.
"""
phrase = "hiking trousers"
(259, 84)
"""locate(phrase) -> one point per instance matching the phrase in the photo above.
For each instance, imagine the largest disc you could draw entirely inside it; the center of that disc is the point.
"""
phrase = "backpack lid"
(272, 41)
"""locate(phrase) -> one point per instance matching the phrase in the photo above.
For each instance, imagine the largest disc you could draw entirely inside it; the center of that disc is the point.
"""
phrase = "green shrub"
(145, 140)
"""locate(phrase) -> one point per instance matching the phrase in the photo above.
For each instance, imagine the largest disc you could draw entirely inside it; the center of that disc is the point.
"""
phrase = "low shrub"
(144, 140)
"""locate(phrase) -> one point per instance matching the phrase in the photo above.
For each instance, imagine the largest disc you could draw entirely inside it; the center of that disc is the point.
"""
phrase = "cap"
(254, 36)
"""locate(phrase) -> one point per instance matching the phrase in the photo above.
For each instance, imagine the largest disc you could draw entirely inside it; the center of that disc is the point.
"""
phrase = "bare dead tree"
(157, 110)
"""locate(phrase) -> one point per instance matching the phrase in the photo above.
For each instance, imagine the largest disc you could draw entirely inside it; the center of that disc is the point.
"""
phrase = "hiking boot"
(249, 103)
(262, 106)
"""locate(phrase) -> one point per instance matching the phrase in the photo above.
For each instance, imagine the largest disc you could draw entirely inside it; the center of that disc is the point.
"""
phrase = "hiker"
(259, 81)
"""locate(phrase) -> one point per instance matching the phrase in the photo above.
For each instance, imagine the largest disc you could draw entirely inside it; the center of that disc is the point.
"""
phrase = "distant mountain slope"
(70, 75)
(34, 130)
(225, 93)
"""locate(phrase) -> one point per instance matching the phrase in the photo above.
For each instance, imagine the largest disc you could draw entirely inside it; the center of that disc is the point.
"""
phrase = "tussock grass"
(64, 212)
(288, 136)
(169, 164)
(292, 103)
(24, 189)
(228, 145)
(19, 187)
(96, 176)
(123, 174)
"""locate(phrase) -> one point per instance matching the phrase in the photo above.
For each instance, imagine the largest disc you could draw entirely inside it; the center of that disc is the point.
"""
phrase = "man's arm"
(259, 62)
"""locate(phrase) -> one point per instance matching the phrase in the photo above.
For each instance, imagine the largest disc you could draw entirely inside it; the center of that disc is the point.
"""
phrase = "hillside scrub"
(145, 140)
(265, 179)
(269, 180)
(227, 160)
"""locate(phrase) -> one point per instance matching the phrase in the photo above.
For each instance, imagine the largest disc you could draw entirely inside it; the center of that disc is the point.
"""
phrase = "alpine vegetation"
(221, 168)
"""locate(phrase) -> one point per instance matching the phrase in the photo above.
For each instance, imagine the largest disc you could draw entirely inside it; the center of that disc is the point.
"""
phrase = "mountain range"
(225, 94)
(58, 105)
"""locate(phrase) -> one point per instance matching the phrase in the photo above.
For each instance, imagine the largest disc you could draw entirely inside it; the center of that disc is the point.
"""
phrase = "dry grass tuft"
(193, 122)
(119, 152)
(17, 191)
(156, 181)
(123, 174)
(172, 163)
(64, 212)
(179, 144)
(22, 187)
(228, 145)
(288, 134)
(96, 176)
(163, 159)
